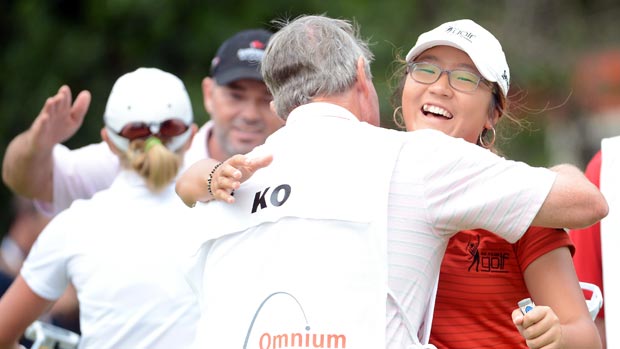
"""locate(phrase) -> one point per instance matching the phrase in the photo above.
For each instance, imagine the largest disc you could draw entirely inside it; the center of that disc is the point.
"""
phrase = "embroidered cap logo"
(505, 77)
(254, 53)
(257, 44)
(469, 36)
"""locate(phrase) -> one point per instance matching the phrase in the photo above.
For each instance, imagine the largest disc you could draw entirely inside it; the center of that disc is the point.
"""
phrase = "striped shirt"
(431, 201)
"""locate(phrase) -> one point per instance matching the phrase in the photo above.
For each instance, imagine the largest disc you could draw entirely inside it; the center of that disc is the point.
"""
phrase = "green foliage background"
(88, 44)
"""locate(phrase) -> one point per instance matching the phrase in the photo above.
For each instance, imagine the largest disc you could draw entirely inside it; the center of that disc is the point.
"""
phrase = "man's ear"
(207, 90)
(106, 138)
(272, 107)
(362, 77)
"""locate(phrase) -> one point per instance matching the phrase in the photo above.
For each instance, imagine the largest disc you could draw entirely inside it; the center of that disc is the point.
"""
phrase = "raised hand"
(59, 118)
(28, 162)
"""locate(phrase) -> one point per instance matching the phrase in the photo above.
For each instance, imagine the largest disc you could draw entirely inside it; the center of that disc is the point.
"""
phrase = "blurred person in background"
(36, 165)
(118, 248)
(596, 258)
(26, 225)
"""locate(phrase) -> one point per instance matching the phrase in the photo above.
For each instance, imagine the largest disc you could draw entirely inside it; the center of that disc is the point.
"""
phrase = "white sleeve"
(45, 268)
(468, 187)
(80, 173)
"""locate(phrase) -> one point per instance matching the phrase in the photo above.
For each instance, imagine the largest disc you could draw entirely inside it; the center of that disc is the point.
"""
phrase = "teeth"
(436, 110)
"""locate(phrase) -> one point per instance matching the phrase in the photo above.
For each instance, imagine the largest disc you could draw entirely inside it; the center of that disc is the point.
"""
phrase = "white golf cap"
(147, 95)
(481, 46)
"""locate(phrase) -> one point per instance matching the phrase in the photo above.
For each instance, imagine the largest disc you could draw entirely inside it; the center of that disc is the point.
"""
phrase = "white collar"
(318, 109)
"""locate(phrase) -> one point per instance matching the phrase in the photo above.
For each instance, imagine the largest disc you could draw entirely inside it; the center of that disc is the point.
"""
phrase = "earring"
(398, 120)
(490, 143)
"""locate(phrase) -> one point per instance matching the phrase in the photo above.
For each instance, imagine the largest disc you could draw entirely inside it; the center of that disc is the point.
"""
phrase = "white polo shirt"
(121, 251)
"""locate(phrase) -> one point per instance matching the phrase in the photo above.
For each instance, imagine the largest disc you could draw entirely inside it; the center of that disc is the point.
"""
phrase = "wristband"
(211, 178)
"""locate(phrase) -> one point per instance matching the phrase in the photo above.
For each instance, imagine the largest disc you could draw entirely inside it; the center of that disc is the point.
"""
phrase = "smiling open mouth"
(436, 111)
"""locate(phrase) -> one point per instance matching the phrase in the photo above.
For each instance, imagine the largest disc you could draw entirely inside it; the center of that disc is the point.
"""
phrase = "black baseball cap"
(239, 57)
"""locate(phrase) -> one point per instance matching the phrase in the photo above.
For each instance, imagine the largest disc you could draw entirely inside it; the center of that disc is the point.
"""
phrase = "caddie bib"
(610, 238)
(300, 259)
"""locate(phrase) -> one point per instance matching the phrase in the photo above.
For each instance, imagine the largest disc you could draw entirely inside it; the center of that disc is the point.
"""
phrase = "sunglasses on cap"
(166, 128)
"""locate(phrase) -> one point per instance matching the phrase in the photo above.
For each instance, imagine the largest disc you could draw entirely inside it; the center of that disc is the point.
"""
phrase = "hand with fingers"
(59, 118)
(28, 161)
(540, 327)
(209, 179)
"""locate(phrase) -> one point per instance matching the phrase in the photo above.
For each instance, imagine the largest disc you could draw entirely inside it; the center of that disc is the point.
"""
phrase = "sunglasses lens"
(172, 128)
(168, 128)
(135, 130)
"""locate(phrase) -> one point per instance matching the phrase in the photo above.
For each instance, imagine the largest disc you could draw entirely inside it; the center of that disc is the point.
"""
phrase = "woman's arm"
(207, 179)
(19, 307)
(561, 318)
